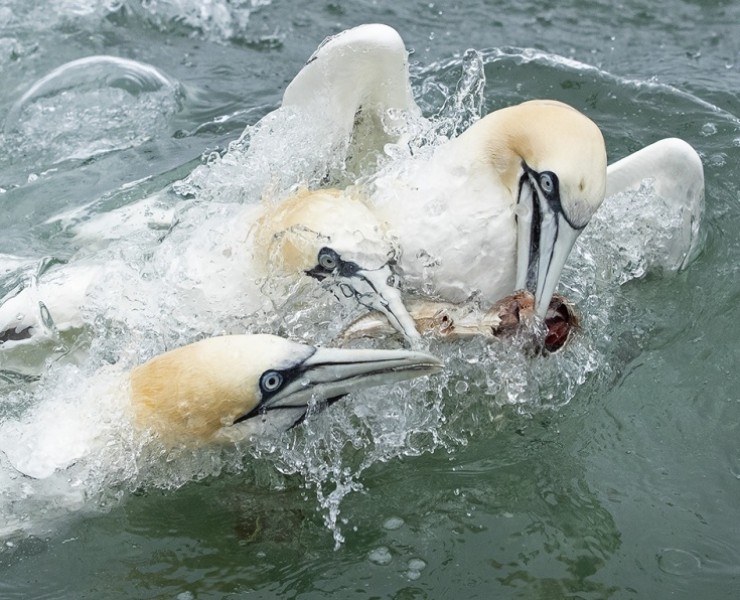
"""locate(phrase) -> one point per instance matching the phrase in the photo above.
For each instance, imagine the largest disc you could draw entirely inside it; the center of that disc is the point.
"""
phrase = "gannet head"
(553, 159)
(333, 237)
(244, 385)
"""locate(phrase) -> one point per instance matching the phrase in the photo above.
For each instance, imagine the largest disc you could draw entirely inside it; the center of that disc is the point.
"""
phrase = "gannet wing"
(358, 79)
(674, 171)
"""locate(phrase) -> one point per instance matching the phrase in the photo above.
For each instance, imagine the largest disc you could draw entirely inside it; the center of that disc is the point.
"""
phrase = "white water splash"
(122, 103)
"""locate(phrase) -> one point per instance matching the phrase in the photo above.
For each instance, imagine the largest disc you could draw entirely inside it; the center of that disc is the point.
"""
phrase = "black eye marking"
(330, 263)
(271, 381)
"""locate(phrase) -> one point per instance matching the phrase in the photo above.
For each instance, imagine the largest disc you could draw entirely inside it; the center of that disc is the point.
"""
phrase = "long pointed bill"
(328, 374)
(544, 241)
(556, 241)
(371, 289)
(332, 372)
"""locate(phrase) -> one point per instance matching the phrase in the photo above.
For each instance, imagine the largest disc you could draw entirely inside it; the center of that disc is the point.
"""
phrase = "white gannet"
(499, 207)
(367, 66)
(53, 300)
(220, 389)
(336, 239)
(234, 387)
(331, 238)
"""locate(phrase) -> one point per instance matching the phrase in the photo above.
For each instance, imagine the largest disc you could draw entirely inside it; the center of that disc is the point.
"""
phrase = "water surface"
(611, 471)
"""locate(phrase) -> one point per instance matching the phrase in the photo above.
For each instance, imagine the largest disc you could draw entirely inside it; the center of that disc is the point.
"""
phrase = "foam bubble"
(380, 556)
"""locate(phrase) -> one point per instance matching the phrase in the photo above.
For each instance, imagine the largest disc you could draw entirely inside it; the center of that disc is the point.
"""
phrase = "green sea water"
(620, 480)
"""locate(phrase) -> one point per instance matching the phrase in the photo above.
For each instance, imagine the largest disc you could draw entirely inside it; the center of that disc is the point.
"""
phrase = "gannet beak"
(375, 289)
(329, 373)
(545, 238)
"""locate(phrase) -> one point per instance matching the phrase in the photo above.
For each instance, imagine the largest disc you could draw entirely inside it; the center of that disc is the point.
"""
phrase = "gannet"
(51, 301)
(220, 389)
(233, 387)
(335, 240)
(499, 207)
(370, 61)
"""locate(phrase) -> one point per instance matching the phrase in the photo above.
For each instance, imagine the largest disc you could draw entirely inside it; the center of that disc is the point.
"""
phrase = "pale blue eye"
(271, 381)
(328, 259)
(546, 183)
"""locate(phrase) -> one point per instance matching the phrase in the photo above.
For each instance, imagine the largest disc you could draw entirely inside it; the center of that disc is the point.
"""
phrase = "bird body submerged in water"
(335, 240)
(221, 389)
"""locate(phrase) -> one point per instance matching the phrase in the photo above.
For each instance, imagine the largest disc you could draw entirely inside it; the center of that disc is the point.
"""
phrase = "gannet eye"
(547, 182)
(271, 381)
(328, 259)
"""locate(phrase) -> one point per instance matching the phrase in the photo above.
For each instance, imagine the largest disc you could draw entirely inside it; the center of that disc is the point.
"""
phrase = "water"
(610, 471)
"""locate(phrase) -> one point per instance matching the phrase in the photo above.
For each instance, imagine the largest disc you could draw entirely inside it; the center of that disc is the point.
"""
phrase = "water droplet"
(380, 556)
(461, 387)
